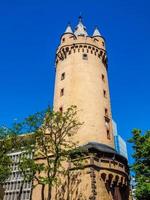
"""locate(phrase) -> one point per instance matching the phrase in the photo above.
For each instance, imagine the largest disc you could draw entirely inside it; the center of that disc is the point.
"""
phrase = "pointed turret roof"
(68, 29)
(80, 28)
(96, 32)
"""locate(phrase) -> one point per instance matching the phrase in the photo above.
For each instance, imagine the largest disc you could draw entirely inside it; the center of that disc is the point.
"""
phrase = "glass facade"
(14, 183)
(120, 144)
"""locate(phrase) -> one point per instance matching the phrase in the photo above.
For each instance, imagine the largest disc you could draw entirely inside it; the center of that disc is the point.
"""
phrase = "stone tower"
(81, 80)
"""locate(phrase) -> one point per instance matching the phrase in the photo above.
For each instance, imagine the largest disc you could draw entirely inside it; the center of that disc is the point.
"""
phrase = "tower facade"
(81, 80)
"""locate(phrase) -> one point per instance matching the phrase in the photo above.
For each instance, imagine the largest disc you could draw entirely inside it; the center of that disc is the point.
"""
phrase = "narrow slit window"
(104, 93)
(106, 112)
(62, 92)
(63, 76)
(108, 134)
(103, 77)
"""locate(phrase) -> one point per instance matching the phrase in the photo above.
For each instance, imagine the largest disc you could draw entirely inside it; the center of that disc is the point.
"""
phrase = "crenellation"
(66, 50)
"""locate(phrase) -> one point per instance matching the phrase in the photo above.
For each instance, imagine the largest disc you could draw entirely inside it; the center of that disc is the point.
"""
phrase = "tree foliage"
(141, 166)
(52, 133)
(48, 137)
(5, 147)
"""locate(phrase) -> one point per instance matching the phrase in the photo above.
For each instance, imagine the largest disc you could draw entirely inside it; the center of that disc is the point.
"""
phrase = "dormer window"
(63, 40)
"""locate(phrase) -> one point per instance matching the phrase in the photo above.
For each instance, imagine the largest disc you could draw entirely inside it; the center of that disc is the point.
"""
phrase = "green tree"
(141, 166)
(52, 133)
(10, 141)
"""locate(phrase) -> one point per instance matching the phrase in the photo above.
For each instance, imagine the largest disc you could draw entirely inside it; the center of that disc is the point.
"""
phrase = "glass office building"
(13, 184)
(120, 144)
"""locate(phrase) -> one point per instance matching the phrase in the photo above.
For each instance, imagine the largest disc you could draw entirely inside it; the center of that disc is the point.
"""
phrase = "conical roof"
(80, 28)
(96, 32)
(68, 29)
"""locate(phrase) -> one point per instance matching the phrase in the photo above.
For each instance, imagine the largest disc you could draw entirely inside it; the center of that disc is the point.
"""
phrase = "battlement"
(69, 38)
(82, 45)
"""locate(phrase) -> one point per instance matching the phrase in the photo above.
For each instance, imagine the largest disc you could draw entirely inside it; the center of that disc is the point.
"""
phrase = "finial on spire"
(80, 18)
(96, 32)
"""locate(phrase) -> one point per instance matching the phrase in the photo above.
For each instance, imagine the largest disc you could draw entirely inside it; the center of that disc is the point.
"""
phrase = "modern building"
(133, 187)
(13, 184)
(120, 144)
(82, 80)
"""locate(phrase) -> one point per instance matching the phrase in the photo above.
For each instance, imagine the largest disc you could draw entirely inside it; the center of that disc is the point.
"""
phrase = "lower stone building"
(104, 176)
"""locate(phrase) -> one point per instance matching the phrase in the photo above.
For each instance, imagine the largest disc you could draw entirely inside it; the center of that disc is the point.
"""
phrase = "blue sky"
(29, 35)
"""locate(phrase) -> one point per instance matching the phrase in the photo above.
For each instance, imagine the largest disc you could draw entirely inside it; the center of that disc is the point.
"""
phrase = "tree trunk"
(68, 185)
(49, 192)
(42, 192)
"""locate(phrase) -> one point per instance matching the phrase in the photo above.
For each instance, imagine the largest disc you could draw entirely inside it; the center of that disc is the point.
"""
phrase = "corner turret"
(68, 34)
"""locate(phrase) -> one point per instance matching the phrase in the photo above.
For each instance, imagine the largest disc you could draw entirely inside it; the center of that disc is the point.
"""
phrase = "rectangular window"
(18, 185)
(62, 76)
(104, 93)
(84, 56)
(62, 92)
(28, 195)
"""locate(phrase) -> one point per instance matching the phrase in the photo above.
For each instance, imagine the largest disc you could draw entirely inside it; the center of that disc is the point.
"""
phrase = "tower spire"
(80, 28)
(96, 32)
(68, 29)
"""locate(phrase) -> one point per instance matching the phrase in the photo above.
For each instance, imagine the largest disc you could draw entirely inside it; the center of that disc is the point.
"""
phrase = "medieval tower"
(81, 80)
